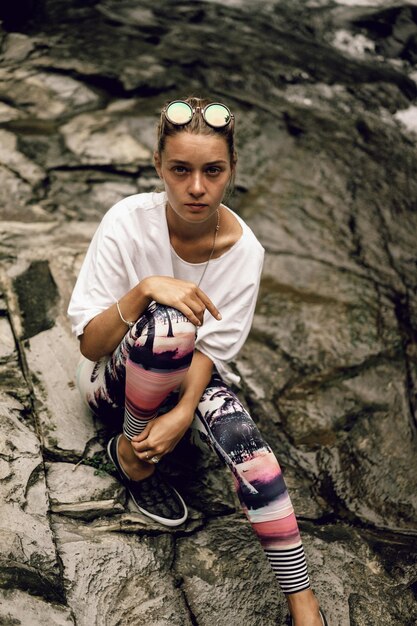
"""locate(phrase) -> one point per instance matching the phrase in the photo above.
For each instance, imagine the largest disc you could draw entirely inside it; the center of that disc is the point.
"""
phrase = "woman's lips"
(196, 206)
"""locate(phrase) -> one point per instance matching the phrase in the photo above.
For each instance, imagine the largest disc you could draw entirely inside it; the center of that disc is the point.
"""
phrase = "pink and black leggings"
(149, 364)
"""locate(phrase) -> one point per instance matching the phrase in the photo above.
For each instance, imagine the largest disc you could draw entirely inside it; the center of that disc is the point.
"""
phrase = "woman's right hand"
(183, 295)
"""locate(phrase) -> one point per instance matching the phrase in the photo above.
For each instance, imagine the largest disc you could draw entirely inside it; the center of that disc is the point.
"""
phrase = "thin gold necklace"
(216, 230)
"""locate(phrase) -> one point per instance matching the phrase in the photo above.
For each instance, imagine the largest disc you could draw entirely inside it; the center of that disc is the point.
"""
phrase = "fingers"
(208, 304)
(185, 296)
(144, 450)
(139, 445)
(147, 455)
(195, 305)
(142, 436)
(195, 317)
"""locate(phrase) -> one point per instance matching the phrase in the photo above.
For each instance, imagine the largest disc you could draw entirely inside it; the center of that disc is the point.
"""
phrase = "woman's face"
(196, 170)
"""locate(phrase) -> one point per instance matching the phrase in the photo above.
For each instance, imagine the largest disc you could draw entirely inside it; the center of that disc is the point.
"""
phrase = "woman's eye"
(179, 169)
(213, 171)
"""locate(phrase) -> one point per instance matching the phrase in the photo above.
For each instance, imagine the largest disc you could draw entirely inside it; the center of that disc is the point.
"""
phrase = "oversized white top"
(132, 242)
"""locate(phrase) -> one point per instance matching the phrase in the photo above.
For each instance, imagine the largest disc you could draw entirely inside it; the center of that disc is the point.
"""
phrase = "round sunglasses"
(215, 114)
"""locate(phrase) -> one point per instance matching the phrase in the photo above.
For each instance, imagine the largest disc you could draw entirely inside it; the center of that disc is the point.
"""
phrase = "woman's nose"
(196, 187)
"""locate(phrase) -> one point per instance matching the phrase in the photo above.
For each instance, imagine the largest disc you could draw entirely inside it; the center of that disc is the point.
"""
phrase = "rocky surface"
(325, 94)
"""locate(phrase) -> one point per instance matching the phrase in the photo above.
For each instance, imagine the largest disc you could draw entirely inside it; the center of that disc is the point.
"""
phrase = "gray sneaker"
(153, 496)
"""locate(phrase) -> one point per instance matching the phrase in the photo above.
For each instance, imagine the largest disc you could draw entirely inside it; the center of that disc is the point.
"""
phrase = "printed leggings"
(149, 364)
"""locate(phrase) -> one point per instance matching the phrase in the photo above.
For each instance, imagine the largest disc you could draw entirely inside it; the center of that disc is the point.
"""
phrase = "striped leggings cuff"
(290, 568)
(133, 426)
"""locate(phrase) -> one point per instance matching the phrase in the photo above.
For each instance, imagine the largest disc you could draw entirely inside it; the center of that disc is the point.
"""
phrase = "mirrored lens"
(217, 115)
(179, 113)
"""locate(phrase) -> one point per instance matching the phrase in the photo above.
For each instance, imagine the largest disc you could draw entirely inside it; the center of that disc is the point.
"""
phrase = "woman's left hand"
(161, 435)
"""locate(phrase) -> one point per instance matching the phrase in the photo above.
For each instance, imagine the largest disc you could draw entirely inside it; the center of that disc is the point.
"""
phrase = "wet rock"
(127, 577)
(38, 297)
(27, 558)
(65, 421)
(219, 585)
(82, 491)
(322, 328)
(373, 468)
(392, 28)
(356, 573)
(21, 609)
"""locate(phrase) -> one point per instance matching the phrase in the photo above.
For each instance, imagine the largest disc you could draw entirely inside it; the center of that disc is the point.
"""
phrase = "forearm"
(105, 331)
(194, 384)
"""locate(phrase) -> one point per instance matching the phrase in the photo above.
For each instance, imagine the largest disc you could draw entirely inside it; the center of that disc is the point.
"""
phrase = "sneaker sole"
(162, 520)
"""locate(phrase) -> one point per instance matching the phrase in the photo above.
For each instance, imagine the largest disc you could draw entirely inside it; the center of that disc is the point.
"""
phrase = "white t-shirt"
(132, 242)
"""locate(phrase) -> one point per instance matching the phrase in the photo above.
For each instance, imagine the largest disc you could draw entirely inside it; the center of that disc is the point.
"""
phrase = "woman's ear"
(157, 164)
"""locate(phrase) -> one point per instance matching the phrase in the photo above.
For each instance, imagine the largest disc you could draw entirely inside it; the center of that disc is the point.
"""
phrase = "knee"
(166, 330)
(240, 432)
(171, 322)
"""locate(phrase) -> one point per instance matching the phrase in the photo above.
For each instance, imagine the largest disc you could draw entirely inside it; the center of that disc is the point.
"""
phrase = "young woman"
(164, 300)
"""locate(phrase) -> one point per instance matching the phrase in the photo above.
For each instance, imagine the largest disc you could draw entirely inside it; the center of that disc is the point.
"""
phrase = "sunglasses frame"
(194, 110)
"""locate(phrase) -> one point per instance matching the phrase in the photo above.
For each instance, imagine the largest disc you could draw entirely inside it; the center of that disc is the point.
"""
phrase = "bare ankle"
(303, 604)
(133, 467)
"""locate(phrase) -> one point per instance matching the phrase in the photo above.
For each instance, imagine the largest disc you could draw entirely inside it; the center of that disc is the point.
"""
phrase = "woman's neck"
(182, 230)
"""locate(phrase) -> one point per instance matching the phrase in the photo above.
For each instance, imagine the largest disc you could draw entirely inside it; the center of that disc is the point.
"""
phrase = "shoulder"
(134, 208)
(131, 221)
(249, 244)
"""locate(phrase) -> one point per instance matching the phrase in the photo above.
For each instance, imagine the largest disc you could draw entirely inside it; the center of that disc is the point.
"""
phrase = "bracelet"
(130, 324)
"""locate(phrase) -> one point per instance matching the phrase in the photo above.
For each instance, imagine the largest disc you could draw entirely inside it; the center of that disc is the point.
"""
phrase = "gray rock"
(66, 423)
(129, 15)
(21, 609)
(90, 196)
(327, 180)
(8, 113)
(98, 140)
(82, 491)
(127, 577)
(45, 95)
(17, 48)
(27, 553)
(13, 159)
(7, 342)
(15, 196)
